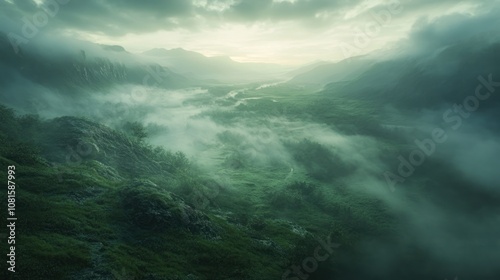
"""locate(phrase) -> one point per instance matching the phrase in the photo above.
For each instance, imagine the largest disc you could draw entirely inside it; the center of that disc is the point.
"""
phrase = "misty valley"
(172, 164)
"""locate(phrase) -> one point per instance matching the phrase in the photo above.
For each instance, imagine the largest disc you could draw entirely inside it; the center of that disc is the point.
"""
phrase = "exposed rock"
(72, 140)
(105, 171)
(88, 193)
(153, 208)
(269, 246)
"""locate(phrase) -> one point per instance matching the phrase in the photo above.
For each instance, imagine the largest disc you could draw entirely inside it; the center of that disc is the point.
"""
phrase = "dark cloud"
(118, 17)
(453, 28)
(464, 31)
(270, 10)
(109, 17)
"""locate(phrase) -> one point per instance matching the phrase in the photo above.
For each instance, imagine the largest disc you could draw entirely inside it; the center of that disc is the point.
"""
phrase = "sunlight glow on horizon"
(287, 42)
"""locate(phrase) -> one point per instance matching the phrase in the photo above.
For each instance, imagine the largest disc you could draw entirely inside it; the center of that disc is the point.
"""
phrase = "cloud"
(119, 17)
(284, 31)
(479, 26)
(284, 10)
(113, 18)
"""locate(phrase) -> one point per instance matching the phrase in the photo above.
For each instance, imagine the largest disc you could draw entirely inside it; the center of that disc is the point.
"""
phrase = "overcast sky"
(282, 31)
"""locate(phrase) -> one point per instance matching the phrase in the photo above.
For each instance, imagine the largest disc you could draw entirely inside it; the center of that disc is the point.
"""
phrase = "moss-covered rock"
(151, 207)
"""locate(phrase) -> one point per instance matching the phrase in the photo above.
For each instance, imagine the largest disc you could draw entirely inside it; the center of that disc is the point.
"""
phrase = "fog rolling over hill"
(326, 73)
(209, 140)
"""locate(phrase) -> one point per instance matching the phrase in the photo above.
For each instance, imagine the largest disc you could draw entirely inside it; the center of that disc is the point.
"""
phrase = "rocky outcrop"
(71, 140)
(151, 207)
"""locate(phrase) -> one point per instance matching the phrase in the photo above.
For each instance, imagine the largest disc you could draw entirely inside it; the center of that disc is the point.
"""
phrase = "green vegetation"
(94, 202)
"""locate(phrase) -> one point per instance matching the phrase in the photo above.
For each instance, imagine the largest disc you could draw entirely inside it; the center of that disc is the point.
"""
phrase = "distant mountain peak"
(156, 52)
(162, 52)
(113, 48)
(179, 50)
(222, 58)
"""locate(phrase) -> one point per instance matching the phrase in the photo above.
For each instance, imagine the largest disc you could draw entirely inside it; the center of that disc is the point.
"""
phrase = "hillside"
(93, 68)
(325, 73)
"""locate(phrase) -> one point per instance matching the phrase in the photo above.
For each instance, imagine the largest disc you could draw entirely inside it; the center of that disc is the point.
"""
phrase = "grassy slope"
(77, 227)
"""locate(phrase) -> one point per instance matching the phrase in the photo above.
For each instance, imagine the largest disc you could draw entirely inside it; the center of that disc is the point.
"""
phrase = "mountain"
(178, 53)
(322, 73)
(90, 66)
(114, 48)
(218, 67)
(307, 67)
(414, 83)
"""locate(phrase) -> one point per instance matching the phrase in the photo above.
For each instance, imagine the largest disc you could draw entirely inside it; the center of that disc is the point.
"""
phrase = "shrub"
(136, 130)
(319, 162)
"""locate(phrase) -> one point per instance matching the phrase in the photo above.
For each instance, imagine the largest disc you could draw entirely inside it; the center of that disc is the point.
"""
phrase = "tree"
(136, 130)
